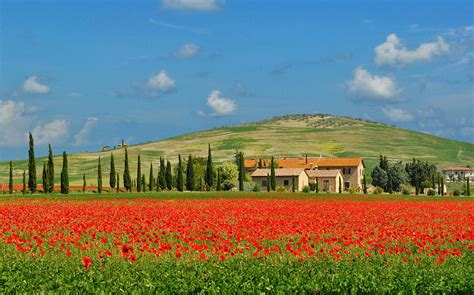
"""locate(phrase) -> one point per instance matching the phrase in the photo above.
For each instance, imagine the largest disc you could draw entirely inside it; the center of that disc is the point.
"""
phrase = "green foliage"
(127, 180)
(112, 175)
(64, 176)
(378, 190)
(431, 192)
(317, 186)
(239, 159)
(379, 177)
(162, 174)
(179, 175)
(139, 175)
(256, 188)
(293, 184)
(219, 180)
(99, 178)
(190, 174)
(456, 192)
(10, 179)
(209, 176)
(268, 183)
(151, 177)
(229, 171)
(419, 174)
(84, 183)
(31, 165)
(23, 189)
(118, 183)
(50, 168)
(169, 176)
(281, 189)
(406, 190)
(306, 189)
(272, 174)
(364, 184)
(340, 185)
(45, 178)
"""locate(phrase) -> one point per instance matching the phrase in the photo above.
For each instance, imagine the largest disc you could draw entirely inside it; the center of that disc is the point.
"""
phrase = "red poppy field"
(239, 244)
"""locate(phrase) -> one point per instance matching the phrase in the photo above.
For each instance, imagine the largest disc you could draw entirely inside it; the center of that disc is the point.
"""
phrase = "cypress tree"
(439, 185)
(241, 172)
(364, 185)
(117, 185)
(139, 175)
(31, 166)
(169, 176)
(10, 179)
(433, 181)
(468, 187)
(99, 178)
(127, 180)
(260, 165)
(201, 184)
(84, 183)
(190, 174)
(340, 185)
(50, 170)
(64, 176)
(112, 177)
(442, 186)
(151, 184)
(179, 177)
(209, 177)
(268, 183)
(317, 185)
(45, 178)
(23, 190)
(162, 174)
(143, 183)
(272, 174)
(218, 184)
(293, 188)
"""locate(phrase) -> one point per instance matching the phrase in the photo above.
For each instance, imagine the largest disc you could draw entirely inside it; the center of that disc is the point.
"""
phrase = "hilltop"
(291, 136)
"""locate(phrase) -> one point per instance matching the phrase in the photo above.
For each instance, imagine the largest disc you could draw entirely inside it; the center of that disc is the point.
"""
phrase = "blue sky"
(82, 74)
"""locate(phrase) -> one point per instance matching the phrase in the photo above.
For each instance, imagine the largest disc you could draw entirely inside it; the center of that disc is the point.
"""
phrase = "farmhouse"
(351, 169)
(327, 180)
(284, 177)
(458, 173)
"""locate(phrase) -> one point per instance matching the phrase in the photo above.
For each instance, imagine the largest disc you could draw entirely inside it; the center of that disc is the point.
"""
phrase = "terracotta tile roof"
(323, 173)
(308, 163)
(458, 169)
(278, 172)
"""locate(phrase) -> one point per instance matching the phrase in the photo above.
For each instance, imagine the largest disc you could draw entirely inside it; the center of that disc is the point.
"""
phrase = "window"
(264, 183)
(286, 182)
(347, 185)
(346, 170)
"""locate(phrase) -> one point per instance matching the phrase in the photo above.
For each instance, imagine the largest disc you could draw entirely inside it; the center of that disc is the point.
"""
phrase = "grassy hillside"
(292, 136)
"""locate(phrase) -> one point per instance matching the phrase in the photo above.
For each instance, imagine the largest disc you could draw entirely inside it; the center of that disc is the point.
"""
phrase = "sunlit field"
(233, 242)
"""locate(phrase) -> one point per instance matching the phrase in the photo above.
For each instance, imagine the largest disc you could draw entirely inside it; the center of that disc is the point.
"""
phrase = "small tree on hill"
(272, 174)
(31, 165)
(50, 168)
(23, 190)
(169, 176)
(239, 161)
(151, 184)
(179, 176)
(84, 183)
(10, 179)
(45, 178)
(65, 176)
(209, 176)
(190, 174)
(139, 175)
(117, 185)
(162, 174)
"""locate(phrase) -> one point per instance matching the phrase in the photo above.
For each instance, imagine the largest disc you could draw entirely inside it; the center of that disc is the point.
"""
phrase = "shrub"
(312, 186)
(406, 190)
(227, 185)
(431, 192)
(352, 190)
(256, 188)
(456, 192)
(378, 190)
(281, 189)
(306, 189)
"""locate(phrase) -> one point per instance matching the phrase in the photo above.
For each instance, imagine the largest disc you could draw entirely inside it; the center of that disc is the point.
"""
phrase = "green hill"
(292, 136)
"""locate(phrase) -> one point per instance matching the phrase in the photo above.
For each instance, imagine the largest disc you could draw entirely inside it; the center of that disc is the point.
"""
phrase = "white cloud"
(202, 5)
(31, 85)
(392, 52)
(54, 132)
(188, 50)
(397, 114)
(13, 123)
(220, 105)
(162, 81)
(81, 136)
(365, 84)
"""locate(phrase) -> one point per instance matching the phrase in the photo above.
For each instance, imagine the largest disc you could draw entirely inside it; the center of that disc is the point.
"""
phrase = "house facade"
(284, 177)
(351, 169)
(327, 180)
(458, 173)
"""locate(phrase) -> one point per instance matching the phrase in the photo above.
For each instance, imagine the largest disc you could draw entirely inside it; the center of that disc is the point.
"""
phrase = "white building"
(458, 173)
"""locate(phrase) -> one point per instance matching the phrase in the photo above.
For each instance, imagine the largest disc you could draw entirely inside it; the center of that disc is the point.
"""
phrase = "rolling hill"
(291, 135)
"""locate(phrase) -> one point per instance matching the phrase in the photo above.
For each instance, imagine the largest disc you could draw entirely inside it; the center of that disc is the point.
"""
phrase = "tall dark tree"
(379, 177)
(293, 185)
(209, 176)
(364, 184)
(442, 186)
(317, 185)
(23, 190)
(179, 176)
(468, 187)
(433, 181)
(112, 176)
(151, 183)
(84, 183)
(117, 185)
(268, 183)
(218, 184)
(127, 180)
(143, 183)
(272, 174)
(99, 178)
(65, 176)
(169, 176)
(50, 168)
(31, 166)
(10, 179)
(139, 175)
(239, 160)
(260, 165)
(162, 174)
(340, 185)
(190, 174)
(45, 177)
(383, 163)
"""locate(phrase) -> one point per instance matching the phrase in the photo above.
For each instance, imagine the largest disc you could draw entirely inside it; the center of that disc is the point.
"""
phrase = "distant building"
(284, 177)
(105, 148)
(351, 169)
(458, 173)
(122, 145)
